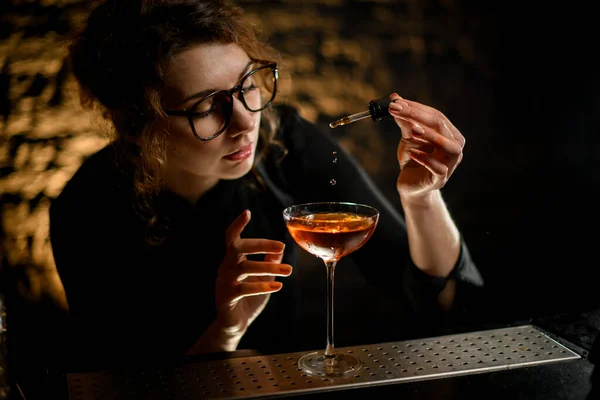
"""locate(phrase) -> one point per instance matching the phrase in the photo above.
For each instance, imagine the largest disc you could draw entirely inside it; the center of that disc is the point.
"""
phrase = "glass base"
(317, 364)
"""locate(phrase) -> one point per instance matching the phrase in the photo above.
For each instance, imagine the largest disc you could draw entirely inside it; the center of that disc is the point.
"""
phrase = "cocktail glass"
(330, 231)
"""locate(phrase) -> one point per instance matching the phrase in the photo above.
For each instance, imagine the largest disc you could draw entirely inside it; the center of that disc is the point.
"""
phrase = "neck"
(188, 185)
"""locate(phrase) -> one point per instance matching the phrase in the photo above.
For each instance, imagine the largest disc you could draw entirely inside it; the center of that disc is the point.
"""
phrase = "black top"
(129, 299)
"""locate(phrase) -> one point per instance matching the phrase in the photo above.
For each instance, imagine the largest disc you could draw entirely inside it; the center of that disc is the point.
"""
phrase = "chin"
(240, 169)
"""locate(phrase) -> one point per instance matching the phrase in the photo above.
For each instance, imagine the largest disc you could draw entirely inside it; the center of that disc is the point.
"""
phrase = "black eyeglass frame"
(190, 114)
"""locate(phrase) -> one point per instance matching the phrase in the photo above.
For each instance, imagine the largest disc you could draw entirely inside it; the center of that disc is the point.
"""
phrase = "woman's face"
(192, 75)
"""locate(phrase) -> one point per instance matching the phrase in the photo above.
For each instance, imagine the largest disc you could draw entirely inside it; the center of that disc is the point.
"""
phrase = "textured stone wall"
(338, 56)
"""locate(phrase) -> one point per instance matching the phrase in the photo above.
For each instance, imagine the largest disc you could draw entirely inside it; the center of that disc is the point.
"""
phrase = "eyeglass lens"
(211, 115)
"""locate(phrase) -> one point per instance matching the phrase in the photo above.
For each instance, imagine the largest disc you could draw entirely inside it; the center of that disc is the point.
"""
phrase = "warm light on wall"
(330, 69)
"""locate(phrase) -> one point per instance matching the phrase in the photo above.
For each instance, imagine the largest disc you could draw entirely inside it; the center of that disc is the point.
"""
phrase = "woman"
(171, 240)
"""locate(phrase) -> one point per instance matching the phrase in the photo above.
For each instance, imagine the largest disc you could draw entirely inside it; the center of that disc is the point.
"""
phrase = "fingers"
(257, 246)
(249, 246)
(429, 161)
(442, 142)
(237, 268)
(411, 115)
(239, 277)
(258, 268)
(431, 139)
(274, 257)
(252, 278)
(235, 229)
(255, 288)
(265, 278)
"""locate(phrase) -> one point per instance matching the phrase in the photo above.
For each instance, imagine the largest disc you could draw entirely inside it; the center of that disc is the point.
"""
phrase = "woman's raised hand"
(430, 149)
(243, 287)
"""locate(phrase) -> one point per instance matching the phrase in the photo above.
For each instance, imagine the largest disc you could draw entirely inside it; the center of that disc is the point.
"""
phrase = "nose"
(242, 120)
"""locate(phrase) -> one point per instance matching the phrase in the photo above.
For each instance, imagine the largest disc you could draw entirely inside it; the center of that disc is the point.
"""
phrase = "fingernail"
(285, 270)
(396, 106)
(278, 247)
(275, 285)
(418, 129)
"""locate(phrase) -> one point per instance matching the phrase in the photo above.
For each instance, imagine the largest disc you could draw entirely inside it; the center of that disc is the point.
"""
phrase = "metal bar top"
(278, 375)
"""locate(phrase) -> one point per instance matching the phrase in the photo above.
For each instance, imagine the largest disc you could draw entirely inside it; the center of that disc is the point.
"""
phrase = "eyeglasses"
(210, 116)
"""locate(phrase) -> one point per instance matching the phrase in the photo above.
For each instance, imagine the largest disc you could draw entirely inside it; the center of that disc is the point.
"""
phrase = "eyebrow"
(206, 92)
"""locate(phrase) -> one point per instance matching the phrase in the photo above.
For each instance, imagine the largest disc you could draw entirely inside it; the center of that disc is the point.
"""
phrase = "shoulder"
(95, 181)
(296, 132)
(299, 134)
(290, 119)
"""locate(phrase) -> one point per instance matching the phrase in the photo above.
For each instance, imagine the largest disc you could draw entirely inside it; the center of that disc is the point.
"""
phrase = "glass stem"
(329, 350)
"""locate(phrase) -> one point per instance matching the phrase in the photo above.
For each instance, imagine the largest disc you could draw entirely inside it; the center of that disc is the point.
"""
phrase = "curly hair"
(120, 60)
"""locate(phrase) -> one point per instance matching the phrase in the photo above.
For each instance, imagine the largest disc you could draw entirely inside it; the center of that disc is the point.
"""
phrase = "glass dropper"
(350, 119)
(378, 110)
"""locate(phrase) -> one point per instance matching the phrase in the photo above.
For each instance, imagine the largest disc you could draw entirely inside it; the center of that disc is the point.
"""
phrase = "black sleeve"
(92, 264)
(118, 309)
(384, 260)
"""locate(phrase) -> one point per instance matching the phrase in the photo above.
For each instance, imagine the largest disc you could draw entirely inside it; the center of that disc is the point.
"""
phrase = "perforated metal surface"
(272, 376)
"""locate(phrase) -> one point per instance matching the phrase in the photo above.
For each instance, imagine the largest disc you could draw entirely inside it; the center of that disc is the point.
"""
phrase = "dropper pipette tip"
(339, 122)
(350, 119)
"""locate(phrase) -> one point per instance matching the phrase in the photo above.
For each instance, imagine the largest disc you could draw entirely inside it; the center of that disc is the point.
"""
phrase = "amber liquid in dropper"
(340, 122)
(350, 119)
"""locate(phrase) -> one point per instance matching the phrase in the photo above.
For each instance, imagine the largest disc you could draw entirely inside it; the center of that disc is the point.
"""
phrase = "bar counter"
(548, 358)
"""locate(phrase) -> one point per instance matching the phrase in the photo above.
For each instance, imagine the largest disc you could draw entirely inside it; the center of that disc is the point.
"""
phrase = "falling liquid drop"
(333, 182)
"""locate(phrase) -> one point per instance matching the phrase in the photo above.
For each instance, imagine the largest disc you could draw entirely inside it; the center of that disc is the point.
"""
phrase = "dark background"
(519, 80)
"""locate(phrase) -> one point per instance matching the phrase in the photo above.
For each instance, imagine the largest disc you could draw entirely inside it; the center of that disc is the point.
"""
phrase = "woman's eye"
(201, 115)
(246, 89)
(203, 109)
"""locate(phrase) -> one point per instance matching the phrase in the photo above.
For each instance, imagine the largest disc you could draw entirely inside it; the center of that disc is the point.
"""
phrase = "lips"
(240, 154)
